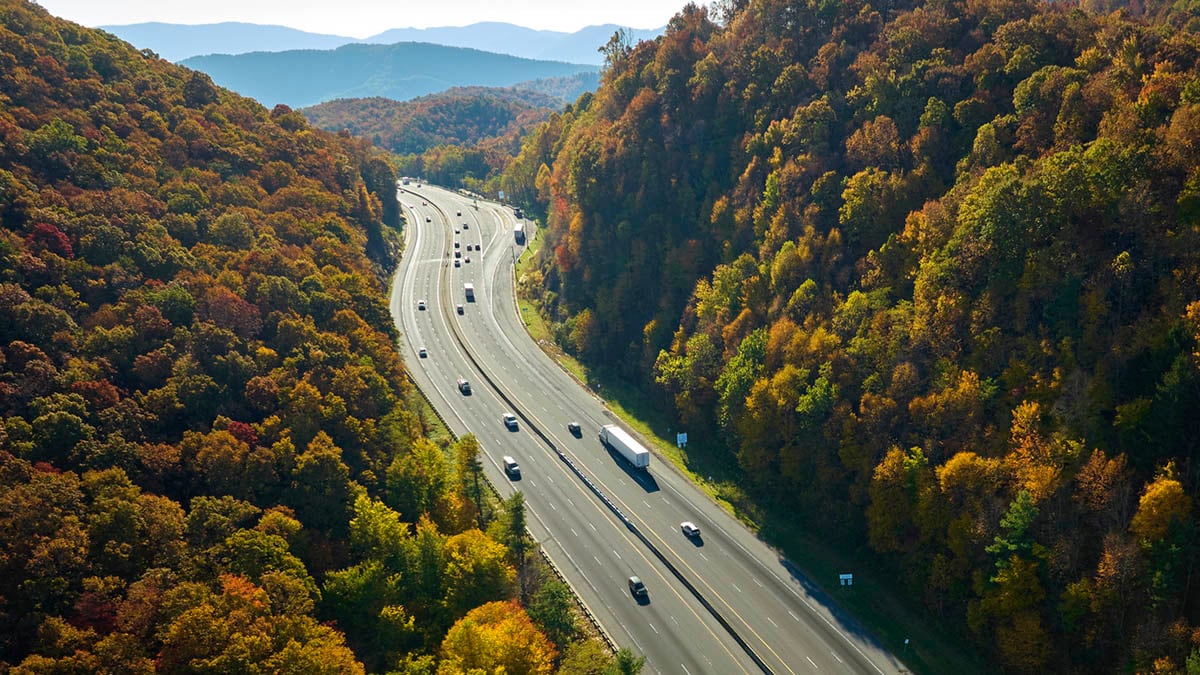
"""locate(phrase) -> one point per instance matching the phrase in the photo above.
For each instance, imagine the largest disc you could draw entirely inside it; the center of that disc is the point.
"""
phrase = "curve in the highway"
(426, 259)
(810, 634)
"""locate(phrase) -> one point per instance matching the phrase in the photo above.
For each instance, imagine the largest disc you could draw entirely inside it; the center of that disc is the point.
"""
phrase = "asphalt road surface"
(723, 602)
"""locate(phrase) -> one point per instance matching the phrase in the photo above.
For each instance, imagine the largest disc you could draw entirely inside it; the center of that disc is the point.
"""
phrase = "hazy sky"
(363, 18)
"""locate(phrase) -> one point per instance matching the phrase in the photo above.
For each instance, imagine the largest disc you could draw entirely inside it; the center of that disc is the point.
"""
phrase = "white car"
(422, 353)
(689, 529)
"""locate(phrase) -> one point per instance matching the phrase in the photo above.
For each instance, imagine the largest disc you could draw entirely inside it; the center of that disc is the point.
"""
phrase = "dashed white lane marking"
(814, 663)
(793, 615)
(772, 622)
(574, 532)
(757, 582)
(735, 588)
(836, 656)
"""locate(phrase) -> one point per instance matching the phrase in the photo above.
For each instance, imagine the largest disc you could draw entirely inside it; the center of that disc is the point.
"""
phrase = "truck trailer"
(616, 438)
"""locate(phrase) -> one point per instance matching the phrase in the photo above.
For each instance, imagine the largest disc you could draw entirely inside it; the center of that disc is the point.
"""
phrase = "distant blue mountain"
(582, 46)
(400, 71)
(176, 42)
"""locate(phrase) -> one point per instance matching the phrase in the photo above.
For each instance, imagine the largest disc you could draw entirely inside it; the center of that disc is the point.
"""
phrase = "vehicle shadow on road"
(640, 476)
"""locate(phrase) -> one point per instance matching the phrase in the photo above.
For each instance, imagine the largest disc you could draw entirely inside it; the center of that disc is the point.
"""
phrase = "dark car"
(573, 427)
(637, 587)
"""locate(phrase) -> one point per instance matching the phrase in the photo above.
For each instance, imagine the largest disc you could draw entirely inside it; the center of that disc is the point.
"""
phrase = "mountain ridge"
(177, 42)
(401, 71)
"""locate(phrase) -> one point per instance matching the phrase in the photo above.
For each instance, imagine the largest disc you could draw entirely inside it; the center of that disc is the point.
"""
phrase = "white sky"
(363, 18)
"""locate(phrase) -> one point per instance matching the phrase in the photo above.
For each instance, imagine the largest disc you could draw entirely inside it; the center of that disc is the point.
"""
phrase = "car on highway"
(467, 259)
(458, 213)
(510, 421)
(422, 352)
(573, 427)
(457, 231)
(464, 386)
(466, 226)
(689, 529)
(428, 219)
(458, 254)
(456, 245)
(458, 308)
(457, 262)
(637, 587)
(510, 466)
(421, 305)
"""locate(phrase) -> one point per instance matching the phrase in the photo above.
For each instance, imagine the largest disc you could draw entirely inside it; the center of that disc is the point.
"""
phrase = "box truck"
(616, 438)
(469, 289)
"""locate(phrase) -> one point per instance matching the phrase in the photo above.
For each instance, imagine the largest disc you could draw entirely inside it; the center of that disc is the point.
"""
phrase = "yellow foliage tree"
(496, 638)
(1163, 502)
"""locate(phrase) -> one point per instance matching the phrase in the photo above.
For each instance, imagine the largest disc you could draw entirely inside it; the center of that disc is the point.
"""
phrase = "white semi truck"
(616, 438)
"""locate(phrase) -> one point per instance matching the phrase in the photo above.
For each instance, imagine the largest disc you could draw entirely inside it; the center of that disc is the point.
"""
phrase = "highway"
(721, 603)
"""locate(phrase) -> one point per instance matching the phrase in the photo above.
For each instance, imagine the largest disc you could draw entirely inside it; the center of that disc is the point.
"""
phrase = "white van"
(510, 466)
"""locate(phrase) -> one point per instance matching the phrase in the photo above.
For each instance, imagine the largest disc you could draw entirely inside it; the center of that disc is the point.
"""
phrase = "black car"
(637, 587)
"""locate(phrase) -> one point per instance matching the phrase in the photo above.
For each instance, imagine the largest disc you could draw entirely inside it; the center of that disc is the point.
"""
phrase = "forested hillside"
(928, 277)
(210, 458)
(462, 116)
